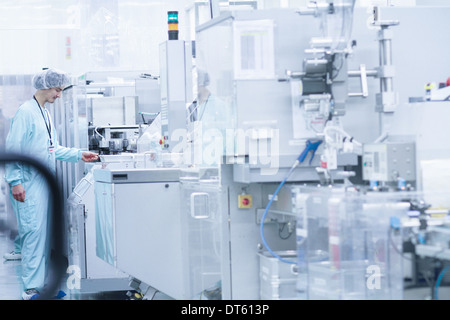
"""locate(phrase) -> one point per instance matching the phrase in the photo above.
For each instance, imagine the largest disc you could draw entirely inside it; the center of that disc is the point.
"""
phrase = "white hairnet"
(50, 78)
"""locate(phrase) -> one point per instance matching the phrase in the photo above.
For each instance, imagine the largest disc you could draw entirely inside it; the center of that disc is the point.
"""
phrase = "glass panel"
(203, 218)
(212, 114)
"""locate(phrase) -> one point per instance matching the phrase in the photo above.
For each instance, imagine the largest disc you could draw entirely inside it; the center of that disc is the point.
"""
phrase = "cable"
(211, 9)
(266, 245)
(438, 282)
(95, 129)
(280, 230)
(310, 146)
(57, 226)
(394, 246)
(329, 139)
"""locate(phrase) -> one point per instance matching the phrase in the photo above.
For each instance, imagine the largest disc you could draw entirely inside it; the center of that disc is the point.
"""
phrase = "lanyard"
(49, 125)
(203, 105)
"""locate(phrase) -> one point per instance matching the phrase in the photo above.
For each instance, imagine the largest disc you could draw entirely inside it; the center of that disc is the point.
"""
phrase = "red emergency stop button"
(244, 201)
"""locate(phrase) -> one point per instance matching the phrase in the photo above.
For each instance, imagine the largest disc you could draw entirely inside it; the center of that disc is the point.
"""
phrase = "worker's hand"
(88, 156)
(18, 193)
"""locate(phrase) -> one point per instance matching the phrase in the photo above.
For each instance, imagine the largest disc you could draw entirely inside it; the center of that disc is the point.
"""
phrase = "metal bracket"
(362, 73)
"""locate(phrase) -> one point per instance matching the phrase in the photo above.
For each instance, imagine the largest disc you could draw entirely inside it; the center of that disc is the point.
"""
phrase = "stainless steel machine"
(100, 112)
(129, 236)
(300, 170)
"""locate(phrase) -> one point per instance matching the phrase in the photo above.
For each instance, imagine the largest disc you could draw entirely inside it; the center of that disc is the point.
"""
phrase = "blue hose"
(310, 147)
(438, 282)
(265, 214)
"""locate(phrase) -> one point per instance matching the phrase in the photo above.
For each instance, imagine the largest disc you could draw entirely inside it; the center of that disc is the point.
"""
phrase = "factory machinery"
(297, 170)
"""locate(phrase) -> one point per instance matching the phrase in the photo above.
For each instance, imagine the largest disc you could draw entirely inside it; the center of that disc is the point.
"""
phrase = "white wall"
(101, 34)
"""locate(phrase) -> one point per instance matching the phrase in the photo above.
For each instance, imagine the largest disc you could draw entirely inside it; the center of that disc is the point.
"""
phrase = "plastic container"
(278, 279)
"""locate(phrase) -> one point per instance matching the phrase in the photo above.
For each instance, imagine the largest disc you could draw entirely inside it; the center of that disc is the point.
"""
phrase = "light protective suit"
(29, 135)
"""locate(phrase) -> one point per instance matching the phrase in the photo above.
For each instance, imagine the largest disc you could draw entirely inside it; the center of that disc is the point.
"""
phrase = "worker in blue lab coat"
(32, 133)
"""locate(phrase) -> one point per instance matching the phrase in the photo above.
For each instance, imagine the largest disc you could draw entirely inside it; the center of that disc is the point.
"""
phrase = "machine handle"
(200, 205)
(81, 181)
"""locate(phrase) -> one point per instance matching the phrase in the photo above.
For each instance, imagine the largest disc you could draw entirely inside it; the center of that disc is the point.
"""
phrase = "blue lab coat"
(29, 135)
